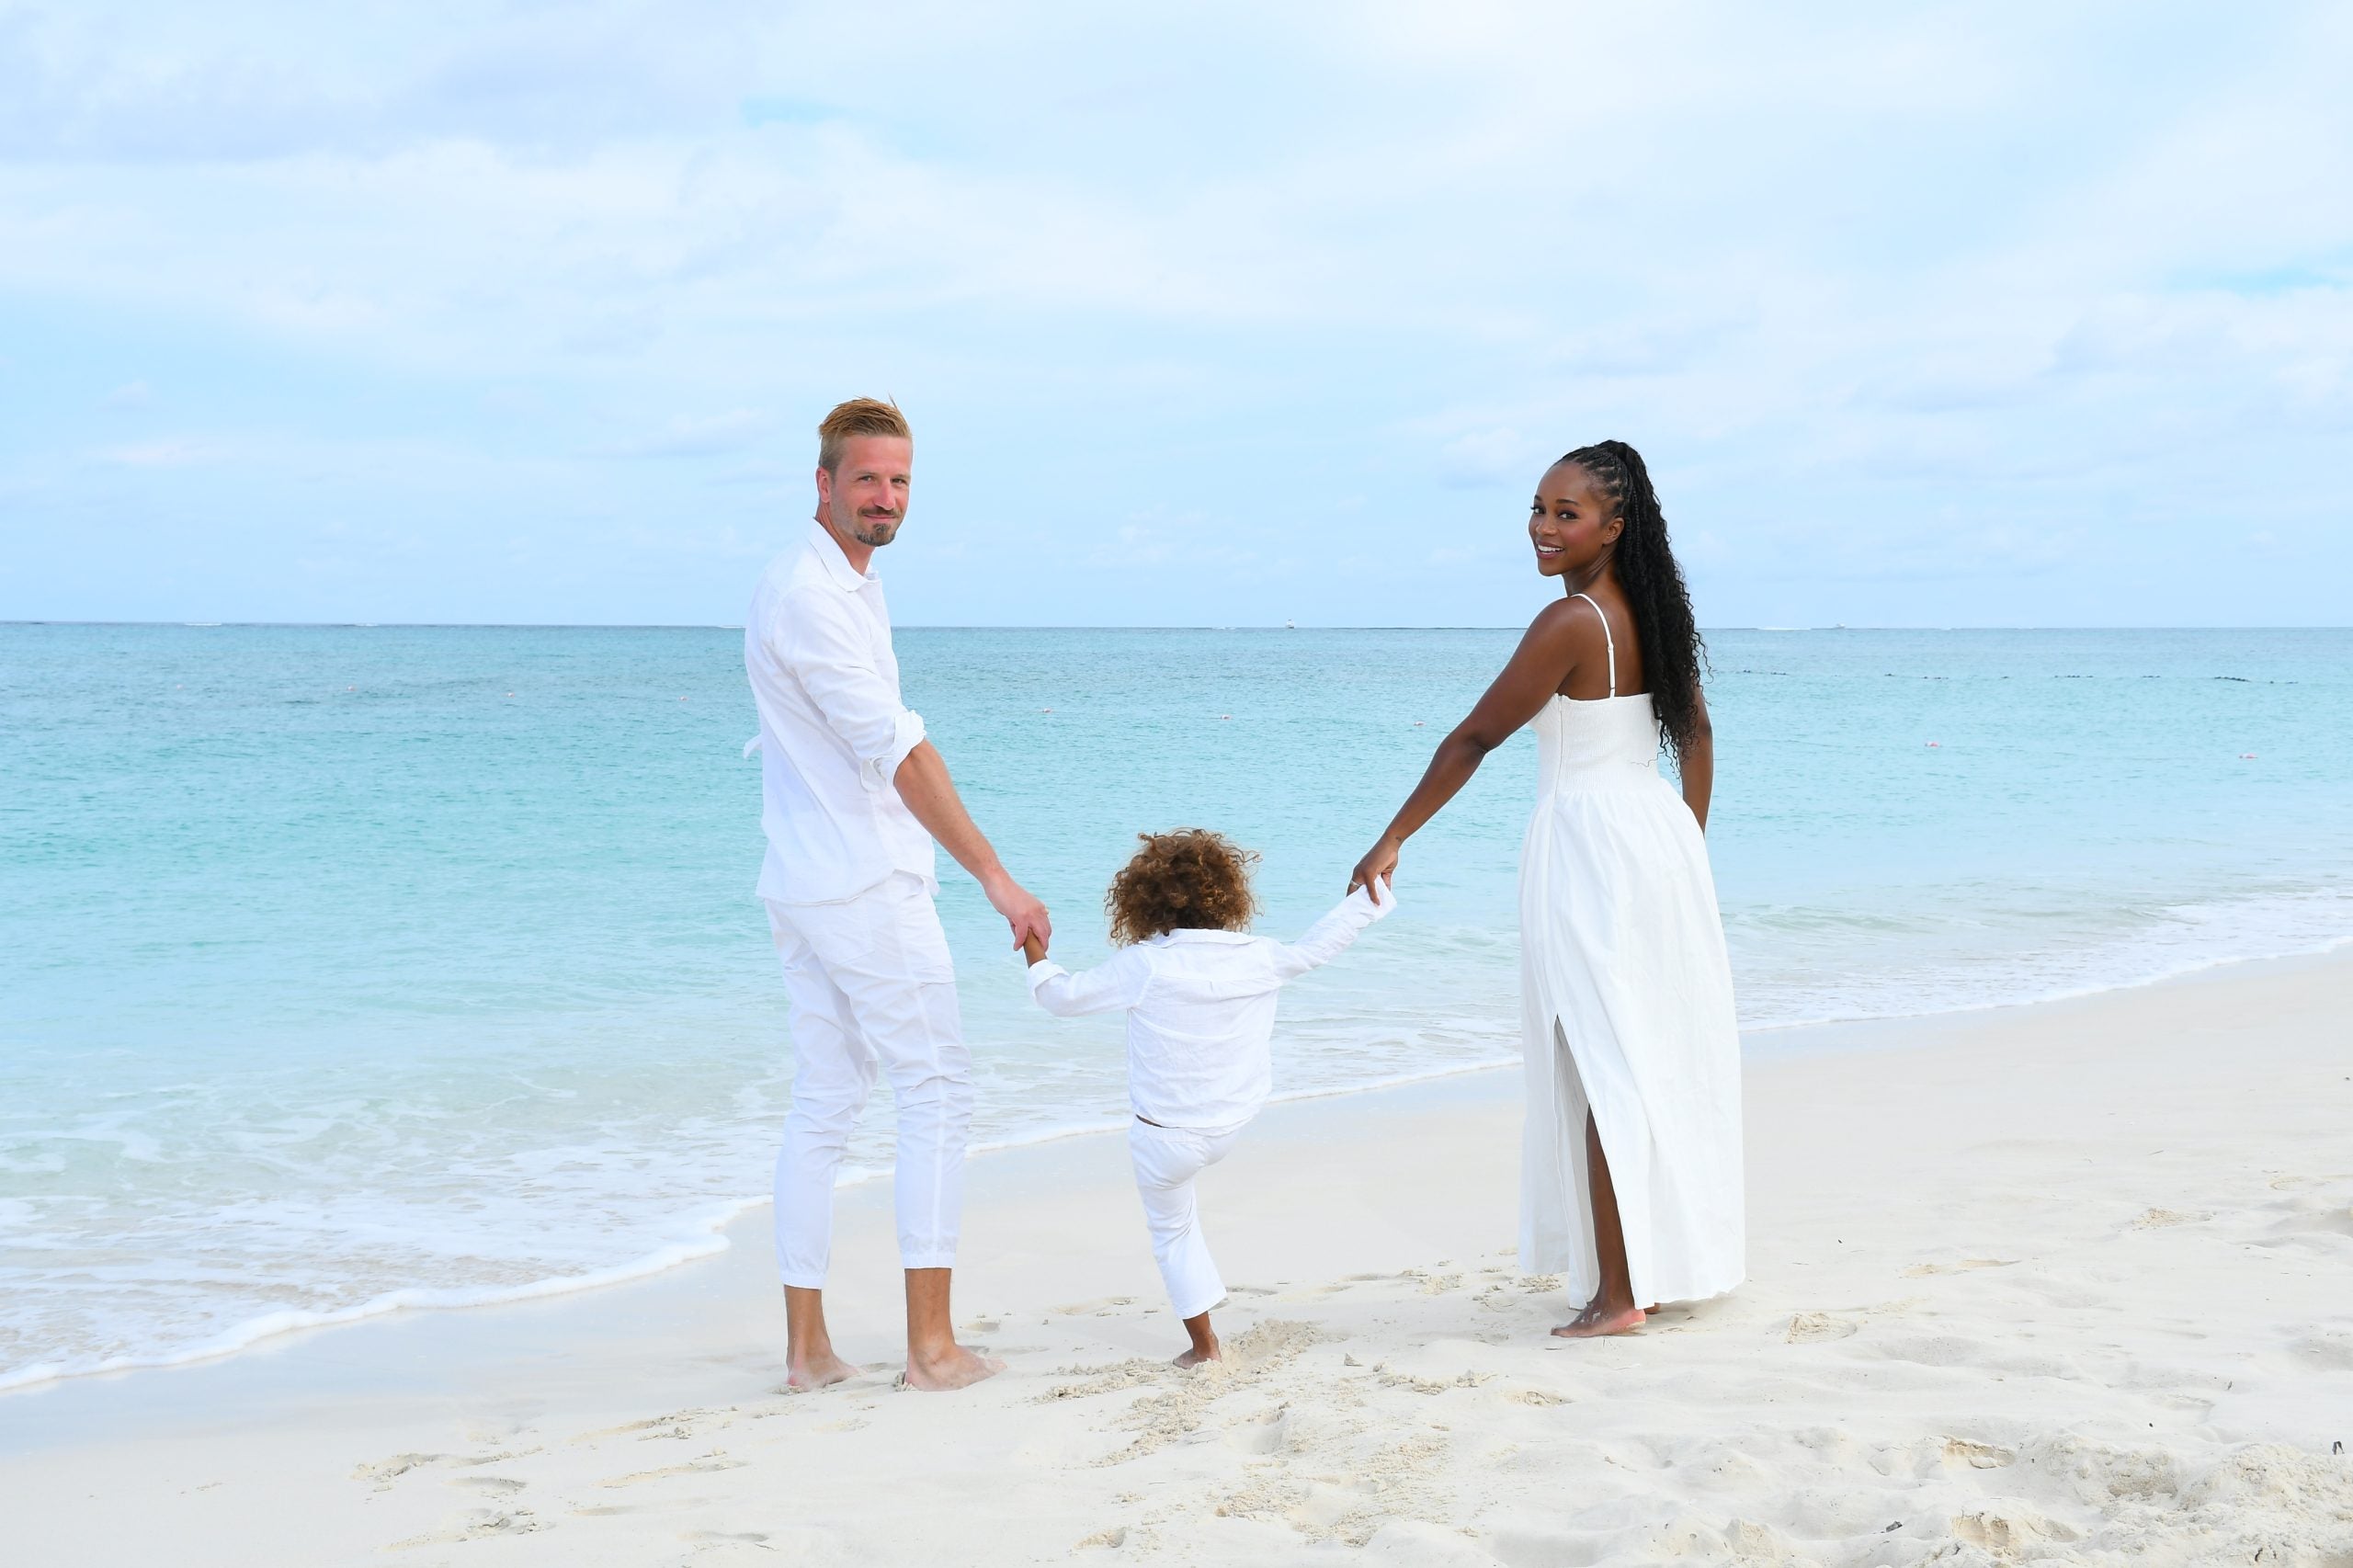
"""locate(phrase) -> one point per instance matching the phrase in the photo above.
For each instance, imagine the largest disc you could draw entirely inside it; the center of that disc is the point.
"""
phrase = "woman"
(1630, 1167)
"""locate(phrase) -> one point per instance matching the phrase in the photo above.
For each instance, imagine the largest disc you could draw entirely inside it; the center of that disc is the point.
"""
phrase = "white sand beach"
(2067, 1283)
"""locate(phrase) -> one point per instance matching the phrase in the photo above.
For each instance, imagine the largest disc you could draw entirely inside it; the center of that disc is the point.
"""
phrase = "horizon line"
(1067, 625)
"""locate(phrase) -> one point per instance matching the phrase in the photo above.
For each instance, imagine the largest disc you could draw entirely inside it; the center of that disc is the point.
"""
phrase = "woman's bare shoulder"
(1567, 623)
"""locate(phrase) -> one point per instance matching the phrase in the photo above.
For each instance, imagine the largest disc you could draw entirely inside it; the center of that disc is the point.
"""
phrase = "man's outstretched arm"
(922, 783)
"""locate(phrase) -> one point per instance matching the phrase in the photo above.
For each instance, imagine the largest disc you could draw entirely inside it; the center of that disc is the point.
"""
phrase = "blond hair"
(858, 416)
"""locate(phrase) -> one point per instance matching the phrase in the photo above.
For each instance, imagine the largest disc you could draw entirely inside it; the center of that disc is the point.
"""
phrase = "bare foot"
(954, 1368)
(821, 1370)
(1195, 1356)
(1597, 1322)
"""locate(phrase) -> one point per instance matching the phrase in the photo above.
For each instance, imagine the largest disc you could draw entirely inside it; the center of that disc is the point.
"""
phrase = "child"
(1199, 995)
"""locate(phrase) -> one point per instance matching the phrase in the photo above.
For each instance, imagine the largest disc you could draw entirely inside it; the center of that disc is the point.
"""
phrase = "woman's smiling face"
(1572, 523)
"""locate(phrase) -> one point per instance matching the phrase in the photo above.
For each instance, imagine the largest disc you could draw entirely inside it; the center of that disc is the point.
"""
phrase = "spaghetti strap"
(1608, 639)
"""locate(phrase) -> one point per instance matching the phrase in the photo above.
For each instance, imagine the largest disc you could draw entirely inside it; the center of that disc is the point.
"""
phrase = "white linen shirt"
(1200, 1010)
(833, 730)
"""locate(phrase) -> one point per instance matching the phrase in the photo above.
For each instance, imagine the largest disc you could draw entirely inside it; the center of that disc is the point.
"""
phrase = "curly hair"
(1674, 656)
(1190, 879)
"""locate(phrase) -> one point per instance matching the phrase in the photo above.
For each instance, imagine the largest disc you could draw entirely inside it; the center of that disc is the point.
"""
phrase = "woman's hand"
(1380, 862)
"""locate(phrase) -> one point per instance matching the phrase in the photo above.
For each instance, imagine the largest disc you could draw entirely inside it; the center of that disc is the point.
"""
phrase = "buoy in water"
(1936, 745)
(1225, 715)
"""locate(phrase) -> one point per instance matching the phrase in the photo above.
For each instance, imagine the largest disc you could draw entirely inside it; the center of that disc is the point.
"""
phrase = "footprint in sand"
(1921, 1270)
(703, 1466)
(2162, 1219)
(383, 1473)
(1266, 1433)
(2007, 1528)
(475, 1524)
(1811, 1328)
(500, 1485)
(1964, 1452)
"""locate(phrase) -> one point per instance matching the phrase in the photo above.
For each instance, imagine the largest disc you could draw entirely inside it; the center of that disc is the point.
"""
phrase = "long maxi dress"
(1627, 1012)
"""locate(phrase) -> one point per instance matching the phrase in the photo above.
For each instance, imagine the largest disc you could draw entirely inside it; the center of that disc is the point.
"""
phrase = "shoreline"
(712, 1230)
(1983, 1253)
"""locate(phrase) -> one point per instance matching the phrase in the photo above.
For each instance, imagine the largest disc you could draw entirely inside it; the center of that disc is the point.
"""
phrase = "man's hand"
(1023, 913)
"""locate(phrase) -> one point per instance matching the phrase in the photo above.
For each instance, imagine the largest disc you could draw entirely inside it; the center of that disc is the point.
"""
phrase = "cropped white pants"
(871, 988)
(1166, 1160)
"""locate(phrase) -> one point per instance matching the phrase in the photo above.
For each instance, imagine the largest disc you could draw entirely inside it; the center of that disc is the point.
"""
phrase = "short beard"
(876, 534)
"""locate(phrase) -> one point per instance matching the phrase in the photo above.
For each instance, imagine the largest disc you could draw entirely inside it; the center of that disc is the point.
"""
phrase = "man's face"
(865, 498)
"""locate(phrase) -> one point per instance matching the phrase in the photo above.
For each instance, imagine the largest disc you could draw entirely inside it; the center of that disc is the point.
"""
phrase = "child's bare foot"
(804, 1374)
(1599, 1321)
(1204, 1347)
(954, 1368)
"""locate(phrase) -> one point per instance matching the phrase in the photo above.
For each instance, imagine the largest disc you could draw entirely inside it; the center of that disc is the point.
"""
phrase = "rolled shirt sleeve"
(1108, 986)
(1330, 937)
(823, 648)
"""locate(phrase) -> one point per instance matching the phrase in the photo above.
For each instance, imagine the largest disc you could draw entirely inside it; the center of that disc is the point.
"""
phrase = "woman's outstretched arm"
(1538, 666)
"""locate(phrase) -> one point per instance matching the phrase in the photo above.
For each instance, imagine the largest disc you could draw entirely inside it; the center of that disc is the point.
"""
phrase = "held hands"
(1379, 862)
(1023, 913)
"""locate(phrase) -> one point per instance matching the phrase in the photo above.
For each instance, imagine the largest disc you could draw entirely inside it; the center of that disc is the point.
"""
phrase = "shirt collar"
(828, 549)
(1202, 934)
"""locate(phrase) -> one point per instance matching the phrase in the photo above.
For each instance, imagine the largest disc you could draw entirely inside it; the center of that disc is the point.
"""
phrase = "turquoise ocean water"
(348, 968)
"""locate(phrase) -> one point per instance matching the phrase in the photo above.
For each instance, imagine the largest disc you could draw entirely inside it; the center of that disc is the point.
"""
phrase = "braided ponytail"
(1673, 653)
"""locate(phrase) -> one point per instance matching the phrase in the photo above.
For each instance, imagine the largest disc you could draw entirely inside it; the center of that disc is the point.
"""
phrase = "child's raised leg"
(1167, 1159)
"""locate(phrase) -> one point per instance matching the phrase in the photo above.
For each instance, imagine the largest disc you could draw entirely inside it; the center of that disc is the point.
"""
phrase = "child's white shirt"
(1200, 1008)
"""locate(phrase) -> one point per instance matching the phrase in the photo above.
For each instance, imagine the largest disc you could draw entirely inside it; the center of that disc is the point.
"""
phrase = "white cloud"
(1831, 270)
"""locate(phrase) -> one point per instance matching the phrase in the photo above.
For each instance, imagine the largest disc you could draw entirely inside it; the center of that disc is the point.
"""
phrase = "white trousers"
(871, 987)
(1166, 1161)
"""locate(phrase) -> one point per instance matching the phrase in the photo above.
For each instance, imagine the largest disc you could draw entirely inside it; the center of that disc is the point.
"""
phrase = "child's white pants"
(1166, 1161)
(872, 988)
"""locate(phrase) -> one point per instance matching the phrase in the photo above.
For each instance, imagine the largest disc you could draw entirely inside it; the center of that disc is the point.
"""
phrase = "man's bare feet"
(1598, 1322)
(954, 1368)
(808, 1373)
(1195, 1356)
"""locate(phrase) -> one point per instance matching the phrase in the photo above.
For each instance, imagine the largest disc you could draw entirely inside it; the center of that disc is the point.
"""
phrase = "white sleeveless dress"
(1627, 1010)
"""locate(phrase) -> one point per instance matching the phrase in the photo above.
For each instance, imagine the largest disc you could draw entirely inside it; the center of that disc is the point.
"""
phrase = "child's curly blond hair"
(1190, 879)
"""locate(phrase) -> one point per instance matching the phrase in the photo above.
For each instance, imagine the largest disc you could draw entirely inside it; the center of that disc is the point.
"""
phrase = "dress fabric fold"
(1627, 1012)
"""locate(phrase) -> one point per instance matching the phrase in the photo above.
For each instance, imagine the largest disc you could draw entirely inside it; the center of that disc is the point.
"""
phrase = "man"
(852, 798)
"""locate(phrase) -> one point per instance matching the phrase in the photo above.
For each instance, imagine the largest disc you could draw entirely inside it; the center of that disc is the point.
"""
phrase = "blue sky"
(1982, 314)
